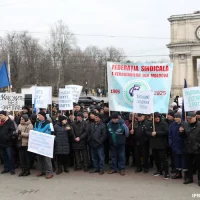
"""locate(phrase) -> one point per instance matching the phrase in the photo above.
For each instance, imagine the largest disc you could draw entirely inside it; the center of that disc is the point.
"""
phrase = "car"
(86, 100)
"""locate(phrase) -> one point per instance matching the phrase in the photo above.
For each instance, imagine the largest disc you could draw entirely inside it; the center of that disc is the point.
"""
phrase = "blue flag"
(183, 109)
(4, 80)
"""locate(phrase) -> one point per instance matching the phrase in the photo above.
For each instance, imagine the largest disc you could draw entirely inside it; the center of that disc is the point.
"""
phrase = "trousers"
(45, 164)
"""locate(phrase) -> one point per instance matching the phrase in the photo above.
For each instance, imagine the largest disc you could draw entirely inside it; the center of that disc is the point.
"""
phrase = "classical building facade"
(184, 50)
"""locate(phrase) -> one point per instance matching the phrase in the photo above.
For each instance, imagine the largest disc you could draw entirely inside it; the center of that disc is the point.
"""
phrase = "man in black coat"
(158, 144)
(7, 128)
(96, 139)
(191, 132)
(80, 143)
(141, 143)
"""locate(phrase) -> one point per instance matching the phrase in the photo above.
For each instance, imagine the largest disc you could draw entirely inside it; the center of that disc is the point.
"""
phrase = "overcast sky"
(143, 18)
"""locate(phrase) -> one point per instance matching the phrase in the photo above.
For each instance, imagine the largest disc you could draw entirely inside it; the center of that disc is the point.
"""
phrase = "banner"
(43, 97)
(126, 78)
(191, 98)
(41, 143)
(11, 101)
(143, 102)
(76, 91)
(65, 99)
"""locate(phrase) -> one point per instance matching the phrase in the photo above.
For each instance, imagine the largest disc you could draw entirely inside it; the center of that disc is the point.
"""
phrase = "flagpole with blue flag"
(183, 109)
(4, 78)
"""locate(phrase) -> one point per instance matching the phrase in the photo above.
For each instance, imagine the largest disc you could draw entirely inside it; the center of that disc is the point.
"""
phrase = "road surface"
(85, 186)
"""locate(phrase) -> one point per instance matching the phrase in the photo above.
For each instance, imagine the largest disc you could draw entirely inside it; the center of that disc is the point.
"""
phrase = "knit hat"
(115, 115)
(43, 114)
(61, 118)
(198, 112)
(171, 113)
(79, 114)
(3, 113)
(177, 115)
(25, 117)
(157, 114)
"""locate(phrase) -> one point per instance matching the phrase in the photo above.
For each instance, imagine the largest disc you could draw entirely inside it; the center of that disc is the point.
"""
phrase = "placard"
(65, 99)
(76, 91)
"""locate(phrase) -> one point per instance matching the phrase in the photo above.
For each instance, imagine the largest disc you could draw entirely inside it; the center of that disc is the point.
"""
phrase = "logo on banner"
(135, 85)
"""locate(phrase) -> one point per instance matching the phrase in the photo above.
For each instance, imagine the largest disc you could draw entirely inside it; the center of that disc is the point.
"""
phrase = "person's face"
(177, 120)
(106, 109)
(96, 111)
(25, 111)
(115, 120)
(198, 117)
(64, 121)
(191, 120)
(97, 119)
(77, 108)
(141, 118)
(157, 119)
(101, 111)
(79, 118)
(92, 116)
(40, 117)
(85, 114)
(2, 117)
(170, 118)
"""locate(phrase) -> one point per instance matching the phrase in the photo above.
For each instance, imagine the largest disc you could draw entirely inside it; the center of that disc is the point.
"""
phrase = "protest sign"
(43, 97)
(126, 78)
(76, 91)
(41, 143)
(191, 98)
(11, 101)
(65, 99)
(143, 102)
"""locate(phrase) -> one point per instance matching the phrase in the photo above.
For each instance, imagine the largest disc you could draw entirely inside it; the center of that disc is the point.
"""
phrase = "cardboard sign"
(65, 99)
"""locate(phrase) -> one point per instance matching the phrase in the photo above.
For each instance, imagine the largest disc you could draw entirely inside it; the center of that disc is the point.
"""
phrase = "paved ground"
(84, 186)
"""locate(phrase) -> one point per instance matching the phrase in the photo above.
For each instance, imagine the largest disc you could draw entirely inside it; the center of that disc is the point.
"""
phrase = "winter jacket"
(24, 129)
(42, 127)
(6, 132)
(140, 132)
(192, 137)
(117, 132)
(79, 129)
(62, 136)
(96, 134)
(160, 141)
(176, 140)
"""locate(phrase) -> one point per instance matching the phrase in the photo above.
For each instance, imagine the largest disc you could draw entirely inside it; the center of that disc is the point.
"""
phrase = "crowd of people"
(87, 139)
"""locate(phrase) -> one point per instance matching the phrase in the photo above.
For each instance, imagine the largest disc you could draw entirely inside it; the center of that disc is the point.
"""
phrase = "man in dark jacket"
(117, 132)
(96, 138)
(7, 128)
(191, 132)
(176, 142)
(141, 143)
(80, 143)
(158, 144)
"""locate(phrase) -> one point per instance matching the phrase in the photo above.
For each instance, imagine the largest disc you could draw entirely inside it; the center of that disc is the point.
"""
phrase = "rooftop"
(195, 15)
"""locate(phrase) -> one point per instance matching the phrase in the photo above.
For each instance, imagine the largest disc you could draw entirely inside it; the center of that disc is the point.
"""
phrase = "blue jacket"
(43, 127)
(176, 140)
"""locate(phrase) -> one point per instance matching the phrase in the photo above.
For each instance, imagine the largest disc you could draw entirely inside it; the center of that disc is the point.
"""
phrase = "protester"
(117, 131)
(7, 129)
(158, 144)
(62, 132)
(85, 115)
(176, 142)
(23, 133)
(80, 142)
(96, 139)
(45, 165)
(190, 130)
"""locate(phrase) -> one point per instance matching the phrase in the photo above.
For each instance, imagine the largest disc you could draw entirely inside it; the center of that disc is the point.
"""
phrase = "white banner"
(143, 102)
(65, 99)
(191, 97)
(11, 101)
(41, 143)
(43, 97)
(76, 91)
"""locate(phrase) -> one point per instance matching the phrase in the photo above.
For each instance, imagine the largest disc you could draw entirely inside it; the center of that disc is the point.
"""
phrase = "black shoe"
(146, 171)
(158, 173)
(178, 175)
(101, 172)
(94, 171)
(86, 169)
(4, 171)
(199, 183)
(66, 170)
(12, 172)
(22, 173)
(59, 171)
(27, 173)
(166, 176)
(138, 170)
(188, 181)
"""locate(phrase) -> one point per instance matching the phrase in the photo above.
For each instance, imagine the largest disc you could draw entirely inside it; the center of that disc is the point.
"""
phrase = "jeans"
(45, 164)
(24, 157)
(98, 157)
(8, 159)
(118, 157)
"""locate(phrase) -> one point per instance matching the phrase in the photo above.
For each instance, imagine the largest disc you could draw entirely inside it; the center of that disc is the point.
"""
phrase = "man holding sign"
(45, 165)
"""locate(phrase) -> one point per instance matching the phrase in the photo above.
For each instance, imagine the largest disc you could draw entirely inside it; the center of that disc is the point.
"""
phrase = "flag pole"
(9, 74)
